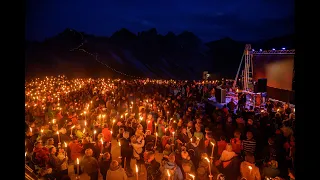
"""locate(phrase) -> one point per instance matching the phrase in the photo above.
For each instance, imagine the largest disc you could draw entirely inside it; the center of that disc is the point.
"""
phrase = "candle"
(168, 172)
(250, 168)
(137, 172)
(212, 149)
(78, 166)
(102, 145)
(94, 134)
(41, 132)
(155, 143)
(72, 128)
(84, 130)
(65, 145)
(209, 166)
(58, 136)
(85, 123)
(113, 121)
(192, 176)
(119, 144)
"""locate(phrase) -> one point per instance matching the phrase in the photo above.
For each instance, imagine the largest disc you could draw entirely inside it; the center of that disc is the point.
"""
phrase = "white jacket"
(137, 149)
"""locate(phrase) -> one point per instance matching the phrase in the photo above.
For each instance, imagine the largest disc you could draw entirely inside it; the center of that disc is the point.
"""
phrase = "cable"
(95, 56)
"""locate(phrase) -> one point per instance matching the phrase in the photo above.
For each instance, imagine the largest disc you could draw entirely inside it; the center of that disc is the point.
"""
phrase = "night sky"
(245, 20)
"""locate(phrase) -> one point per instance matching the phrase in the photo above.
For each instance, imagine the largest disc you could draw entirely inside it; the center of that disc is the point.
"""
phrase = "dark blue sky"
(244, 20)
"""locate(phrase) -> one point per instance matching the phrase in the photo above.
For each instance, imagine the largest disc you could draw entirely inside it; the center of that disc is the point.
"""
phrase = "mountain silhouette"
(146, 54)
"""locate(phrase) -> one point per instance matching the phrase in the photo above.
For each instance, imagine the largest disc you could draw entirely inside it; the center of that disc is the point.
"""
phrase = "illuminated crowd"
(163, 130)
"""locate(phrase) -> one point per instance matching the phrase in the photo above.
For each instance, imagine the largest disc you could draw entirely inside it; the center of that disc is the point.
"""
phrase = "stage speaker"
(221, 95)
(262, 85)
(255, 88)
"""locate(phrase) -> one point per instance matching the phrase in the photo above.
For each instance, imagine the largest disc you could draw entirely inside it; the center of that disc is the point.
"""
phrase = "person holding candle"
(173, 169)
(55, 163)
(90, 165)
(248, 168)
(138, 143)
(116, 172)
(75, 149)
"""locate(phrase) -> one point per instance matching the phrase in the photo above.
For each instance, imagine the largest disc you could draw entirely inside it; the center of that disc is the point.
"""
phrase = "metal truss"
(273, 52)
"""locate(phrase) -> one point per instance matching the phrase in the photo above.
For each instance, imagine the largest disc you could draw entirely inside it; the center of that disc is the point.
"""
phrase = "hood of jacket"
(170, 165)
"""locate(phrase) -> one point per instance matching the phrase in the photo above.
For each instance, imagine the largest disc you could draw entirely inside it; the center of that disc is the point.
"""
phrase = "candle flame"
(30, 129)
(192, 176)
(250, 168)
(212, 143)
(73, 126)
(156, 134)
(58, 132)
(65, 144)
(168, 172)
(207, 159)
(85, 123)
(42, 130)
(94, 132)
(119, 144)
(84, 130)
(77, 160)
(137, 169)
(101, 141)
(114, 121)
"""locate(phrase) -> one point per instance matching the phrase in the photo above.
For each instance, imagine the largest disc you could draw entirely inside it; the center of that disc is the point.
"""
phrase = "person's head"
(52, 150)
(273, 164)
(229, 147)
(249, 157)
(107, 156)
(198, 128)
(38, 144)
(271, 140)
(249, 135)
(237, 134)
(172, 158)
(222, 138)
(88, 152)
(134, 139)
(126, 134)
(150, 156)
(209, 135)
(184, 130)
(114, 164)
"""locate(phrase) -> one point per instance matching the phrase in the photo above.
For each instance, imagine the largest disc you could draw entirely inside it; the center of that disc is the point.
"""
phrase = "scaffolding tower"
(247, 72)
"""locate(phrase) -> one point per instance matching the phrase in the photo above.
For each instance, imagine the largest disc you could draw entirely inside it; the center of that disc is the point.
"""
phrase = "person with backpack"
(172, 168)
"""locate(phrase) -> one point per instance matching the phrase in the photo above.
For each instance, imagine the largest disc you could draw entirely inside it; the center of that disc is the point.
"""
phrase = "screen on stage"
(278, 69)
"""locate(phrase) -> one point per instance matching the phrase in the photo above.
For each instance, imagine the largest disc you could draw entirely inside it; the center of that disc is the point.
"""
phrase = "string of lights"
(95, 56)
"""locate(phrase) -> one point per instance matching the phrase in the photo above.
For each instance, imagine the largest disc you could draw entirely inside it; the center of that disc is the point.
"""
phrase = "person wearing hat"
(116, 172)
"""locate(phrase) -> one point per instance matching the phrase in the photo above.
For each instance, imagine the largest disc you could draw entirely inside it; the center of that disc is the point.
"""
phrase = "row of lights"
(272, 49)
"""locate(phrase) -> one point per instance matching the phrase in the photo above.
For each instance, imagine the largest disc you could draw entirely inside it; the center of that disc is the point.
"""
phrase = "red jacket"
(106, 135)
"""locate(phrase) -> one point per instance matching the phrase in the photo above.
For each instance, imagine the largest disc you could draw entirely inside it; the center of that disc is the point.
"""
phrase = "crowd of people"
(74, 122)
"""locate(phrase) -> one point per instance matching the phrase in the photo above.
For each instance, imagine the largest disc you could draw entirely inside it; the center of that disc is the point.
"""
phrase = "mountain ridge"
(145, 54)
